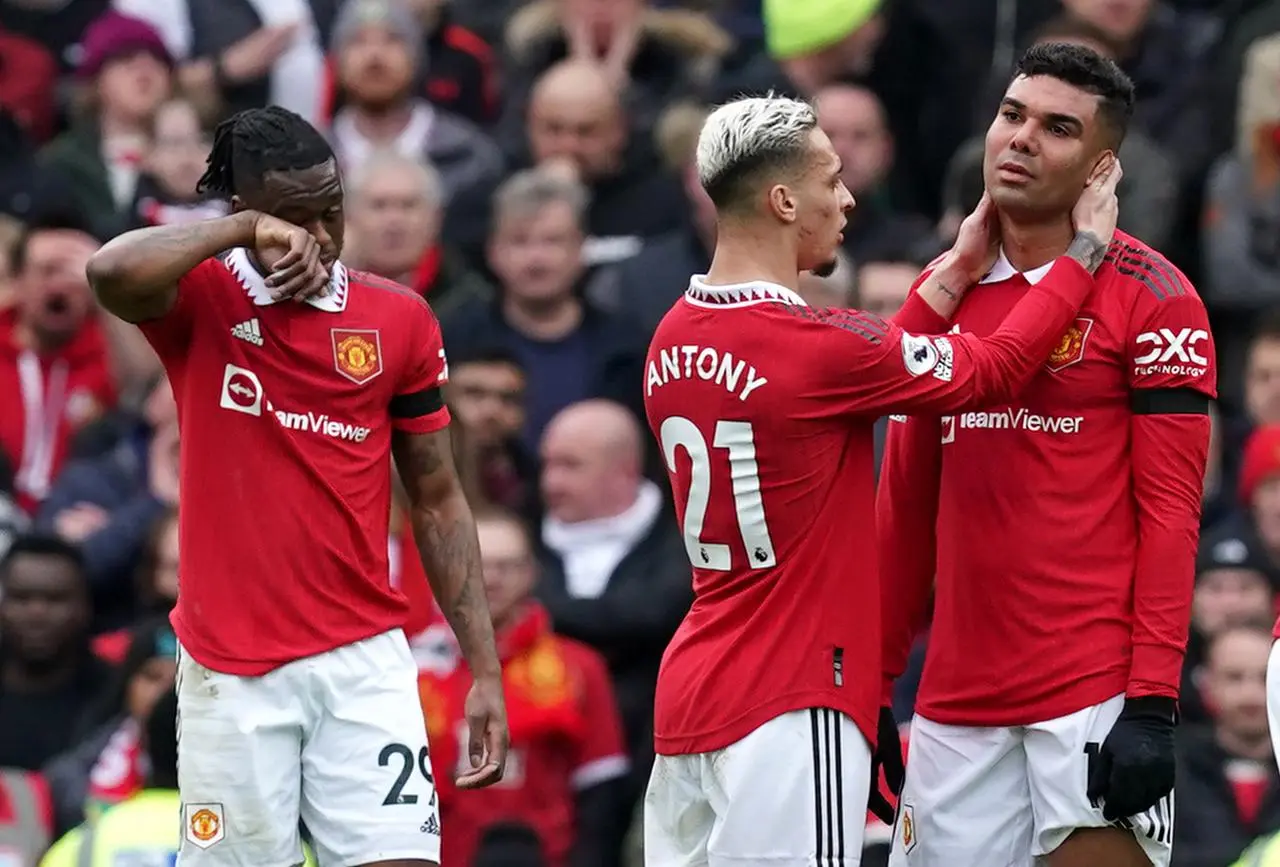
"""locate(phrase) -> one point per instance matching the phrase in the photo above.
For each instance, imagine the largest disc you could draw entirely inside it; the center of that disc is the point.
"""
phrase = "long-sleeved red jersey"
(764, 408)
(1066, 522)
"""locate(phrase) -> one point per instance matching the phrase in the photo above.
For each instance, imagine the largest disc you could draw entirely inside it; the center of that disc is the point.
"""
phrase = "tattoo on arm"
(446, 535)
(1087, 249)
(945, 290)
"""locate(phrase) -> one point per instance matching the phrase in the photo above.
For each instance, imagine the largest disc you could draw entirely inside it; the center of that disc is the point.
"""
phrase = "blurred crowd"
(528, 168)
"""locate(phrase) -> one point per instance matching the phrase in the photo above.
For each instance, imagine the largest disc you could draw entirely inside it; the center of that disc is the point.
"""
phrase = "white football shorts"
(337, 740)
(793, 793)
(1005, 796)
(1273, 694)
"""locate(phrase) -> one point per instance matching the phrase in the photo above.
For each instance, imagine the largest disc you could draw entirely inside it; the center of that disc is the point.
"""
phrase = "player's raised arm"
(136, 275)
(906, 373)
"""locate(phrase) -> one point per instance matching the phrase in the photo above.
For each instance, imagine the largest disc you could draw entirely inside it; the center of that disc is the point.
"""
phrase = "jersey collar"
(239, 264)
(703, 294)
(1003, 269)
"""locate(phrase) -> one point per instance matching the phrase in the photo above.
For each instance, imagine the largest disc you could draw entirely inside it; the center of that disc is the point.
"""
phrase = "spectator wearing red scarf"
(55, 365)
(567, 760)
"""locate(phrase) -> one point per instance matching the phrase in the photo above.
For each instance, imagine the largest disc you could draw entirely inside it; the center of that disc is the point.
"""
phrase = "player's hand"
(488, 739)
(1134, 768)
(293, 257)
(887, 758)
(977, 243)
(1098, 208)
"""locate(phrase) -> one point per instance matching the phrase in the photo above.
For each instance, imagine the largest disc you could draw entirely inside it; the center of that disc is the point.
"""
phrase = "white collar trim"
(1003, 269)
(241, 266)
(702, 294)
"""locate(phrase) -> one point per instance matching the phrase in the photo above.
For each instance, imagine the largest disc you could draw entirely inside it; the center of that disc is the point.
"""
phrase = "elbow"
(105, 271)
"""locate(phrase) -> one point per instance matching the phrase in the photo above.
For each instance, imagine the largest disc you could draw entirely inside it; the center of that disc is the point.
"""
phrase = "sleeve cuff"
(1155, 671)
(917, 317)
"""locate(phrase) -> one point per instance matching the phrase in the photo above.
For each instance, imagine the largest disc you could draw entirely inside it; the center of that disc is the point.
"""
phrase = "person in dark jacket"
(569, 349)
(615, 572)
(1228, 791)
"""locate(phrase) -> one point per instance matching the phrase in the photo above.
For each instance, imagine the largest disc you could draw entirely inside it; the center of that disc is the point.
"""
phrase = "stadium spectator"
(819, 43)
(614, 571)
(55, 364)
(106, 764)
(1241, 225)
(376, 51)
(125, 74)
(395, 208)
(643, 287)
(854, 120)
(569, 349)
(486, 394)
(48, 677)
(577, 121)
(245, 55)
(649, 55)
(175, 160)
(1228, 791)
(1259, 489)
(1234, 584)
(567, 758)
(460, 73)
(884, 283)
(28, 75)
(107, 503)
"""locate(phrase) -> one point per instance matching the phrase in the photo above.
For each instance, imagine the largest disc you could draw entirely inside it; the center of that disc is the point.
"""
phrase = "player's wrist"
(1088, 249)
(1152, 706)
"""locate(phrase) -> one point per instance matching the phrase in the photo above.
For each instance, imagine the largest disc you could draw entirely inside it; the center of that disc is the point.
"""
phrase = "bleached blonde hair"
(749, 136)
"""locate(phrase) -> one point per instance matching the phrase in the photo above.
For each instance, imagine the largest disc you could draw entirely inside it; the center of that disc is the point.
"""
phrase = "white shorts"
(793, 793)
(336, 740)
(1003, 797)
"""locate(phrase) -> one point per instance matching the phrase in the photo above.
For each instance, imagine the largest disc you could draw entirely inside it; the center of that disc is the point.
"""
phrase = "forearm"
(942, 291)
(446, 537)
(136, 269)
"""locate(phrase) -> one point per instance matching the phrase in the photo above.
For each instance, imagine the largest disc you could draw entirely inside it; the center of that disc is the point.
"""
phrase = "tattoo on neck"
(1087, 249)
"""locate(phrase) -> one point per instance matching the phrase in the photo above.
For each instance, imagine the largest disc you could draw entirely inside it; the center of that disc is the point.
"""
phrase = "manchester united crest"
(1070, 348)
(908, 823)
(357, 353)
(204, 824)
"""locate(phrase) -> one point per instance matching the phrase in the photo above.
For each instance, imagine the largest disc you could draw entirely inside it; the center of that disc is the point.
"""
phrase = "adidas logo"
(248, 330)
(431, 826)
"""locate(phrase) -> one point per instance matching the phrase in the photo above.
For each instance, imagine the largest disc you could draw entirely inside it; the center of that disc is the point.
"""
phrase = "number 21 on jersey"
(738, 439)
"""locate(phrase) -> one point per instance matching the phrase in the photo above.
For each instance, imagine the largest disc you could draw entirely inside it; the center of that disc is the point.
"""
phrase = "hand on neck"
(1028, 245)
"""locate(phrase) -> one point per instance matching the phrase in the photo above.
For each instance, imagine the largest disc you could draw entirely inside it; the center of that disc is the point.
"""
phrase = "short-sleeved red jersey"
(1066, 520)
(286, 412)
(764, 410)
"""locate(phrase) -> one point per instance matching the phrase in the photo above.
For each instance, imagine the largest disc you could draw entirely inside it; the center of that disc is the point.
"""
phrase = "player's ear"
(783, 203)
(237, 204)
(1104, 159)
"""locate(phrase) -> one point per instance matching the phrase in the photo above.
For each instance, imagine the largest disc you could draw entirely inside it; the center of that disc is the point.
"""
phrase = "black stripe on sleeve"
(417, 404)
(1169, 401)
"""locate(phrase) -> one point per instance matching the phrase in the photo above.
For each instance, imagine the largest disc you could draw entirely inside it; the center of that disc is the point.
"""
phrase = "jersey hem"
(980, 712)
(259, 667)
(726, 735)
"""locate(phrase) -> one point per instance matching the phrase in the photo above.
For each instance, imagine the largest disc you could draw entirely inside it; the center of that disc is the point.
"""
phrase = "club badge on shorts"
(1070, 348)
(203, 824)
(908, 824)
(357, 353)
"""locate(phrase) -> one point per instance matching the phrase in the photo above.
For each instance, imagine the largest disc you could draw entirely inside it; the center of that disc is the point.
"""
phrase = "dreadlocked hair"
(253, 142)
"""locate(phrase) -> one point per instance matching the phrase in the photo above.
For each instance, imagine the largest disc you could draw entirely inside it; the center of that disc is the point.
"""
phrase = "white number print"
(738, 439)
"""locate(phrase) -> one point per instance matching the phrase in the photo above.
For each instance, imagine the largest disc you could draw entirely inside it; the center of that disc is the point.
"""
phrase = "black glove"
(1134, 769)
(888, 756)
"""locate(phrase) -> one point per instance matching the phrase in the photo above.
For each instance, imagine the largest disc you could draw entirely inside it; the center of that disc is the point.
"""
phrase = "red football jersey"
(286, 412)
(1066, 521)
(764, 410)
(46, 399)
